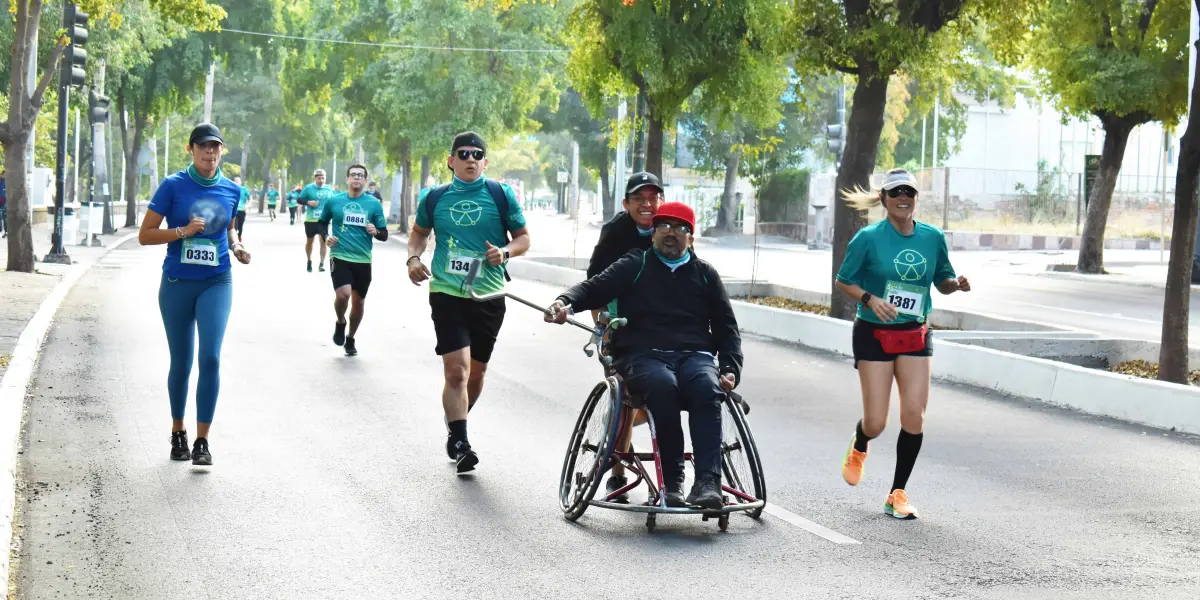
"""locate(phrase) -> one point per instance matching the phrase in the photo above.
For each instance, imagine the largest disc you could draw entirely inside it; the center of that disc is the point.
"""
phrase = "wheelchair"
(608, 416)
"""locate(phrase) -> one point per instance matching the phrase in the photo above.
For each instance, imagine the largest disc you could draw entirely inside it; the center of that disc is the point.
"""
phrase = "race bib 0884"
(356, 219)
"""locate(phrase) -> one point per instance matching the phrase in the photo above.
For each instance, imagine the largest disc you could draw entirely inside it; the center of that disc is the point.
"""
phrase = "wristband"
(507, 254)
(179, 232)
(409, 261)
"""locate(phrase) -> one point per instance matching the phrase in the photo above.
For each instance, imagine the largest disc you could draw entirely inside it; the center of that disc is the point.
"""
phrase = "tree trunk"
(610, 204)
(131, 166)
(727, 214)
(424, 172)
(858, 161)
(20, 232)
(654, 147)
(245, 159)
(639, 141)
(1091, 247)
(268, 158)
(1173, 351)
(406, 178)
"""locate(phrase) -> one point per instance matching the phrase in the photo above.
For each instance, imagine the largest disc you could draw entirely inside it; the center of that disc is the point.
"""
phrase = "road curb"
(1103, 279)
(15, 384)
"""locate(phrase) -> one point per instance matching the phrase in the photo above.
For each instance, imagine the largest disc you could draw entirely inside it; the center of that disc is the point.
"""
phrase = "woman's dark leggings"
(189, 305)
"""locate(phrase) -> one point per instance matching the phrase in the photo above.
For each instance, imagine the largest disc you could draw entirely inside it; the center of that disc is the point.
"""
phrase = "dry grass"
(1147, 370)
(3, 361)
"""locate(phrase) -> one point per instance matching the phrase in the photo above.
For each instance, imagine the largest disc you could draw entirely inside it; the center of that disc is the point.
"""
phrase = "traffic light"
(835, 139)
(98, 108)
(75, 57)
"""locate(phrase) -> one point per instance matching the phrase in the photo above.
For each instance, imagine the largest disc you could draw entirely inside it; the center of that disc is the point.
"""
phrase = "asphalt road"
(330, 478)
(1012, 285)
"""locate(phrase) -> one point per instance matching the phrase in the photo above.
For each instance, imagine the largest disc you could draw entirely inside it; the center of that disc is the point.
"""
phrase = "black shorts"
(312, 228)
(462, 322)
(355, 275)
(867, 347)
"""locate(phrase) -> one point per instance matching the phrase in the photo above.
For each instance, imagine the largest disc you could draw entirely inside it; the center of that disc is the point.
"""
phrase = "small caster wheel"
(650, 522)
(723, 522)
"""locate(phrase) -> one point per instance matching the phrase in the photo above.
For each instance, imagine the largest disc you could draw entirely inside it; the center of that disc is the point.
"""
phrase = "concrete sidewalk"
(23, 293)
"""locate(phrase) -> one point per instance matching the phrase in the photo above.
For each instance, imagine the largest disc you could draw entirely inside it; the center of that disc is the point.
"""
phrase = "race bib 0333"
(200, 252)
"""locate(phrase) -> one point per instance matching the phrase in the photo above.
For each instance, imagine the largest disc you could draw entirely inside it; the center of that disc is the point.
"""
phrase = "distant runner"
(272, 199)
(241, 207)
(293, 204)
(313, 197)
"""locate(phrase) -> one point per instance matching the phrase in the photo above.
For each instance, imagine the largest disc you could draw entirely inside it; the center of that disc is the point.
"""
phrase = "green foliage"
(1109, 57)
(784, 197)
(1048, 201)
(668, 49)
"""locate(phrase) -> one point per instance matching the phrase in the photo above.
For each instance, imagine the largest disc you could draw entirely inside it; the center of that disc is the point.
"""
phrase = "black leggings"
(241, 222)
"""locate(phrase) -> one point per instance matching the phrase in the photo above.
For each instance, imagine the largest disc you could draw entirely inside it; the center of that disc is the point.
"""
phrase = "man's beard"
(672, 252)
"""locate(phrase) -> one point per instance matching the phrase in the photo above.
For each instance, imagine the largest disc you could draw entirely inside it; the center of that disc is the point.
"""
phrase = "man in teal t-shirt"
(272, 199)
(356, 217)
(470, 229)
(313, 196)
(241, 207)
(293, 203)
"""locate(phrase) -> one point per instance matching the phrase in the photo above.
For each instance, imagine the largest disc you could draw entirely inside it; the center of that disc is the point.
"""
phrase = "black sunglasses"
(476, 154)
(904, 189)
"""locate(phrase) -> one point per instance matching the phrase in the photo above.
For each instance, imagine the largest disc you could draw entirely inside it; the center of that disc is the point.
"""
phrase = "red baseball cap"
(676, 210)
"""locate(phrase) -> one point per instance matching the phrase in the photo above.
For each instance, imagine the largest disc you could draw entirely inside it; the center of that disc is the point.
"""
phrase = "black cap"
(205, 132)
(468, 138)
(641, 180)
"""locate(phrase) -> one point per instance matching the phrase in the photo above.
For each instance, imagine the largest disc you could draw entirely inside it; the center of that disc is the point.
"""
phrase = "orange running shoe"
(897, 505)
(852, 464)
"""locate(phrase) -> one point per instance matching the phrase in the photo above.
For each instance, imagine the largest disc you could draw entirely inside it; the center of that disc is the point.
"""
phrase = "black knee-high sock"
(860, 438)
(908, 445)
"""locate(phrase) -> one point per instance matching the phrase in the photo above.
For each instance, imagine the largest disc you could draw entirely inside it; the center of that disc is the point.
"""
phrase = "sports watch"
(866, 298)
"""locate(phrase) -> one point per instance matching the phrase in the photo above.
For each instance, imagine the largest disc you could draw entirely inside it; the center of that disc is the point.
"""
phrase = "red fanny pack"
(901, 341)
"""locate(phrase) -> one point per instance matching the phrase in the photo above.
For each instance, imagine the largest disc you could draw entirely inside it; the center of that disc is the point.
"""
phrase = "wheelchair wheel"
(740, 461)
(590, 450)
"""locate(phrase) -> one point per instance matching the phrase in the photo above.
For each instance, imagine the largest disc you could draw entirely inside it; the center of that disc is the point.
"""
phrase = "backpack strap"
(431, 200)
(501, 200)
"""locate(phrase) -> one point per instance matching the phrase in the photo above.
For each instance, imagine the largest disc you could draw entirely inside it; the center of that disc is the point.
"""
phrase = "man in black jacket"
(681, 349)
(630, 228)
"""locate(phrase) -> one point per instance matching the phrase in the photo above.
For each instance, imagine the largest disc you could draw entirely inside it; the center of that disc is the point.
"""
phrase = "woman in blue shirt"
(890, 267)
(196, 291)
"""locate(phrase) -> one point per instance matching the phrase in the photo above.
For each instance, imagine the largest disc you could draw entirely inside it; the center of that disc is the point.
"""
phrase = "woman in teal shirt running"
(890, 267)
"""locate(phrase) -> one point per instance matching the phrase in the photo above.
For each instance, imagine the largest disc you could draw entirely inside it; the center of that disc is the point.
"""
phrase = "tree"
(1121, 61)
(1173, 349)
(668, 49)
(572, 117)
(871, 41)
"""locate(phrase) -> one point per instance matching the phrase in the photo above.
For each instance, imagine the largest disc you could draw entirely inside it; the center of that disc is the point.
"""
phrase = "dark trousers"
(670, 382)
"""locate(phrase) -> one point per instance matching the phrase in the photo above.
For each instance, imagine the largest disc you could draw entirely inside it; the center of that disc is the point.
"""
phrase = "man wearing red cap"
(681, 349)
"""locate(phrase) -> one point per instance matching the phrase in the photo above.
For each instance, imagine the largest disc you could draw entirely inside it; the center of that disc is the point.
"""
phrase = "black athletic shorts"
(867, 347)
(312, 228)
(462, 322)
(355, 275)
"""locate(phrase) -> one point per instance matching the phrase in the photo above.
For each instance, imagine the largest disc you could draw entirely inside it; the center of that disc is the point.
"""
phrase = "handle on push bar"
(473, 273)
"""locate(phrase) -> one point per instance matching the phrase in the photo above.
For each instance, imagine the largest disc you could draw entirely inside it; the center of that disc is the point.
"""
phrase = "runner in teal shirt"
(356, 217)
(272, 200)
(240, 224)
(470, 228)
(293, 204)
(889, 269)
(313, 196)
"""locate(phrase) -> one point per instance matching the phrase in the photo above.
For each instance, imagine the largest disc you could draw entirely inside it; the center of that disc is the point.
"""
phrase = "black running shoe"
(465, 456)
(706, 492)
(200, 454)
(179, 446)
(674, 491)
(321, 268)
(613, 484)
(339, 334)
(310, 266)
(350, 349)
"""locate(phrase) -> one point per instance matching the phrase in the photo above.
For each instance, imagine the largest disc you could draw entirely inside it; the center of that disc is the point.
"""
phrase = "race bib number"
(908, 299)
(200, 252)
(460, 265)
(355, 219)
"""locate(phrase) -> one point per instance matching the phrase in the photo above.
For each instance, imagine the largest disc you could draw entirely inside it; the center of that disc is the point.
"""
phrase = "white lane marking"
(1084, 312)
(795, 519)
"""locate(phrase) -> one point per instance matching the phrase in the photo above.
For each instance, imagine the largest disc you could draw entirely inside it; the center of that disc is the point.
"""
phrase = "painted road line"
(795, 519)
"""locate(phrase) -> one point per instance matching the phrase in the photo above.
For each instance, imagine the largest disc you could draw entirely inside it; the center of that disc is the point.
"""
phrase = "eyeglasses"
(476, 154)
(356, 176)
(904, 189)
(669, 227)
(638, 200)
